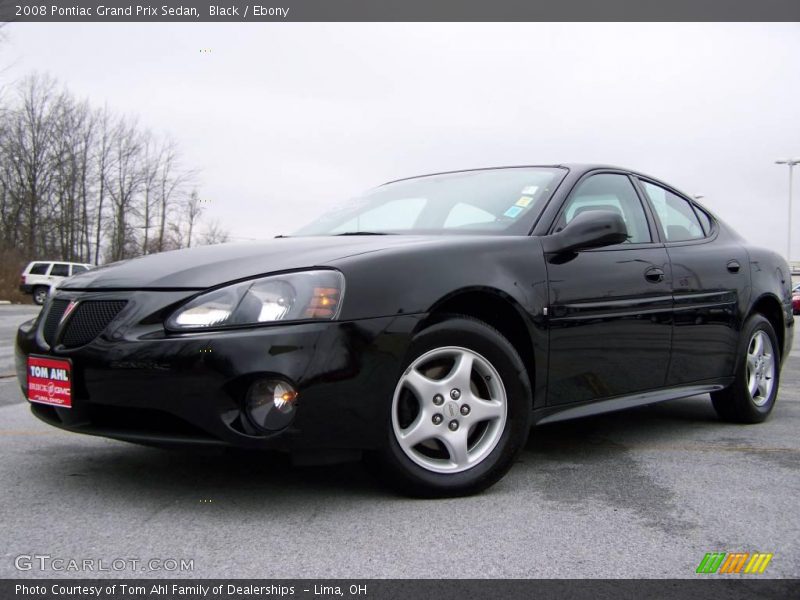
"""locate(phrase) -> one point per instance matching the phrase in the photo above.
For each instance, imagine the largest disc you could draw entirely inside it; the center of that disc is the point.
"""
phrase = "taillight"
(22, 279)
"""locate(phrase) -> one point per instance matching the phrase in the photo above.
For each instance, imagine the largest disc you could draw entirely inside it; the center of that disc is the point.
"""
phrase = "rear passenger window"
(39, 269)
(60, 270)
(677, 216)
(78, 269)
(705, 220)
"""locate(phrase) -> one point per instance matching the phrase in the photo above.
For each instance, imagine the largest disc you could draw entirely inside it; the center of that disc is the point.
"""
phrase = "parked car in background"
(796, 302)
(41, 277)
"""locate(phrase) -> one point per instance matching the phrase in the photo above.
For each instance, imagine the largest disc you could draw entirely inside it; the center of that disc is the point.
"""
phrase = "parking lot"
(642, 493)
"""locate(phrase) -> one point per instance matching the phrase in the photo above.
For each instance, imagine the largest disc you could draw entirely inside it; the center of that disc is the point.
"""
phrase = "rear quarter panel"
(771, 277)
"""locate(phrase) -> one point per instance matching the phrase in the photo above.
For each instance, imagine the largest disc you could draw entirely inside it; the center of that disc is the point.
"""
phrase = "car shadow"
(248, 478)
(123, 469)
(612, 461)
(658, 422)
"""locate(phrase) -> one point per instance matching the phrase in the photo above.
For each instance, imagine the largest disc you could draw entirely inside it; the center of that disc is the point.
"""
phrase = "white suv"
(42, 277)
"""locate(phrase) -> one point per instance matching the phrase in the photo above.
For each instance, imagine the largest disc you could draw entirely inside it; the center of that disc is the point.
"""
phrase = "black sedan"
(426, 325)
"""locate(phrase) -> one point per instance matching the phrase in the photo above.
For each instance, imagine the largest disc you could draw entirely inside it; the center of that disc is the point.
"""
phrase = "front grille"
(89, 320)
(57, 308)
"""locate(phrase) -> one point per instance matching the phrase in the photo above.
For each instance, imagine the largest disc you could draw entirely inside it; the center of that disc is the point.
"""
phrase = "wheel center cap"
(450, 410)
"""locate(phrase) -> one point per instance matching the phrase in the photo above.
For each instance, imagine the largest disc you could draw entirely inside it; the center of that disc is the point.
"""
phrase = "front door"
(609, 308)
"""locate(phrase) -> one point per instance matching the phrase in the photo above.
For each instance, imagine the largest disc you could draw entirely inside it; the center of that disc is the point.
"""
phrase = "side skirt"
(552, 414)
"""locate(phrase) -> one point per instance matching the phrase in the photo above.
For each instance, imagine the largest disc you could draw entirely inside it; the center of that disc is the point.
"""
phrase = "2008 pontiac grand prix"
(428, 325)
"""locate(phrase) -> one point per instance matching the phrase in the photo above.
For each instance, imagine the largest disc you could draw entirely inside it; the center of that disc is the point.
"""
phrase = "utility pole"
(791, 162)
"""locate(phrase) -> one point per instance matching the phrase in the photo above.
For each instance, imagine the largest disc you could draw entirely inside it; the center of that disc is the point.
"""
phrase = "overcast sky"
(284, 119)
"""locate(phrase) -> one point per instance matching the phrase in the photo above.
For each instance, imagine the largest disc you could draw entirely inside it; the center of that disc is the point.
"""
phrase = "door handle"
(654, 275)
(734, 266)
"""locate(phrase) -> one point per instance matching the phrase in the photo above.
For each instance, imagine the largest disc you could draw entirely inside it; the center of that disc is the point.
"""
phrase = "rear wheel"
(40, 294)
(752, 395)
(460, 413)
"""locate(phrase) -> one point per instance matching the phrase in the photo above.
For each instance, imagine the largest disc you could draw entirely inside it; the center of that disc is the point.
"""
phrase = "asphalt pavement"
(11, 315)
(641, 493)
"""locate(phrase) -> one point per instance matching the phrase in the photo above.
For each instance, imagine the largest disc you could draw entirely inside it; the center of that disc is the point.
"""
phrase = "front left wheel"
(460, 413)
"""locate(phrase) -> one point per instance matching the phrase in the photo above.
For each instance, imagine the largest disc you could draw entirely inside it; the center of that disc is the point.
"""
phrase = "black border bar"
(700, 588)
(397, 10)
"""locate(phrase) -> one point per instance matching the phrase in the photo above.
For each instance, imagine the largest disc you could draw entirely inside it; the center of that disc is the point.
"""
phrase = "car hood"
(207, 266)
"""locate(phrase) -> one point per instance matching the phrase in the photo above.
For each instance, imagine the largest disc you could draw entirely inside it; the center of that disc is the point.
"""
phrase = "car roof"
(576, 167)
(63, 262)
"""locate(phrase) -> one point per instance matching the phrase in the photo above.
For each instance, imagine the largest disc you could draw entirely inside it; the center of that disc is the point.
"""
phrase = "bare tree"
(32, 137)
(173, 182)
(214, 234)
(83, 184)
(151, 167)
(102, 160)
(193, 209)
(86, 178)
(64, 202)
(127, 180)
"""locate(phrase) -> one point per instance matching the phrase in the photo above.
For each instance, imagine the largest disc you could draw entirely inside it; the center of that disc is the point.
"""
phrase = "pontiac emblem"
(68, 311)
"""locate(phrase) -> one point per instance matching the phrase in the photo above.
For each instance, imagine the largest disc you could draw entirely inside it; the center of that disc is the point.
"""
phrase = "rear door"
(710, 283)
(610, 308)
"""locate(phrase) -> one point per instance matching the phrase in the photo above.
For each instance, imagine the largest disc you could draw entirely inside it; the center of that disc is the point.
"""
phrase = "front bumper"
(136, 382)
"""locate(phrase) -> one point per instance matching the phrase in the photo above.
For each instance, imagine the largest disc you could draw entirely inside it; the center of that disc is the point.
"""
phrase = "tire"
(751, 397)
(492, 431)
(40, 294)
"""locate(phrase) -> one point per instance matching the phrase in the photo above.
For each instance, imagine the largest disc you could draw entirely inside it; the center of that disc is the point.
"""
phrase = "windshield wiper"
(365, 233)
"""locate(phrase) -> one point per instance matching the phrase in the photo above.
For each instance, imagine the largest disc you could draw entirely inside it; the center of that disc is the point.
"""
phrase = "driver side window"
(610, 192)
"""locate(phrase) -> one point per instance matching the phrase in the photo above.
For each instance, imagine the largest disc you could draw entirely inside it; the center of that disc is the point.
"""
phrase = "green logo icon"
(734, 562)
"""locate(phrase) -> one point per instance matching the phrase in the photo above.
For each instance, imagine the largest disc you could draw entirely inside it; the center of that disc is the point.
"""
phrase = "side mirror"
(590, 229)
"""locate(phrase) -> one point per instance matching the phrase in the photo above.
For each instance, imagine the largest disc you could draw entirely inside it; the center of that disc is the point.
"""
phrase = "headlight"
(301, 296)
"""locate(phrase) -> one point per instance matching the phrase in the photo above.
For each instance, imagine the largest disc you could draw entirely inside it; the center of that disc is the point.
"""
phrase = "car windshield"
(493, 201)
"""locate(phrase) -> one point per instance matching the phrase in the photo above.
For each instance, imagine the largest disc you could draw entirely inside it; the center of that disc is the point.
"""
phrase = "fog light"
(284, 396)
(270, 404)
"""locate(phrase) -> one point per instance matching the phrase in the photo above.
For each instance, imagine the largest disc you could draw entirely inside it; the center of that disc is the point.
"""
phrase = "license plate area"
(50, 381)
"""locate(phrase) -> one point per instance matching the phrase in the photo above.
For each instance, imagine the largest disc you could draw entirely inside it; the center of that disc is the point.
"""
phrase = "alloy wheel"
(760, 368)
(449, 410)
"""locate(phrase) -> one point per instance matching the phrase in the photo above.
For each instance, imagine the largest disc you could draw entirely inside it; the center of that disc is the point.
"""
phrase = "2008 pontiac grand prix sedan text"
(428, 325)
